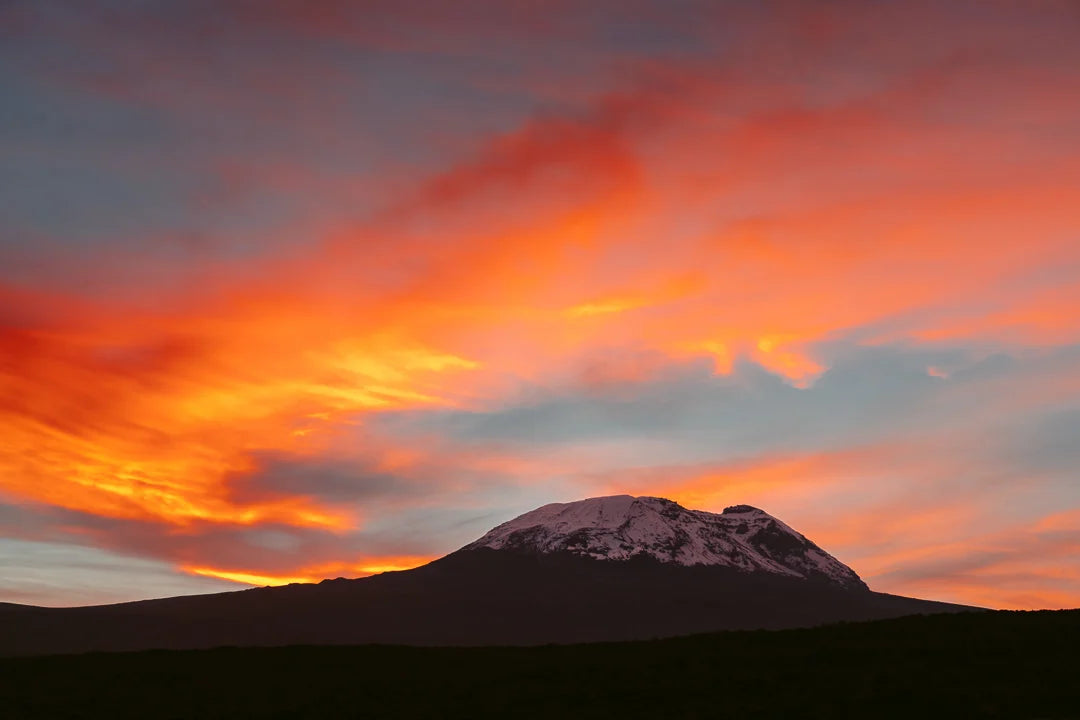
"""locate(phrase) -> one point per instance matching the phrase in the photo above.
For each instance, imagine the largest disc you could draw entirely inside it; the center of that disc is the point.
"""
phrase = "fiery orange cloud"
(709, 487)
(149, 427)
(670, 290)
(316, 573)
(774, 354)
(603, 307)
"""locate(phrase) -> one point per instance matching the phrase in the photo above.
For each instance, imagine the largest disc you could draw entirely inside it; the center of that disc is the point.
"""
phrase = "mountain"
(622, 527)
(616, 568)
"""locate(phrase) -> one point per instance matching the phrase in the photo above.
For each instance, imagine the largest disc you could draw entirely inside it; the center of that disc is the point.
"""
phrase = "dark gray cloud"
(335, 480)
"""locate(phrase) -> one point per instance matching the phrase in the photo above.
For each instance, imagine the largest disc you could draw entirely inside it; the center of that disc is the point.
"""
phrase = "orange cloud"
(148, 425)
(316, 573)
(603, 307)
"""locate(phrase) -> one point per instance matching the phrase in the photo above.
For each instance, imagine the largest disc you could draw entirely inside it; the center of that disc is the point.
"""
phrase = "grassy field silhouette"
(992, 664)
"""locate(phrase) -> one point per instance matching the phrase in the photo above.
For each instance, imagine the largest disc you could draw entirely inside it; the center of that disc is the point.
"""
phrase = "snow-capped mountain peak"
(620, 527)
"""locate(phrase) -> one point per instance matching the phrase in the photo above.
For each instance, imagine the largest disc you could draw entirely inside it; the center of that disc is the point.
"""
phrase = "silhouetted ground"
(992, 664)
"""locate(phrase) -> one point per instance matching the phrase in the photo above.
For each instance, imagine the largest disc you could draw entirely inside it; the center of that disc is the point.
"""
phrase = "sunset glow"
(314, 574)
(306, 293)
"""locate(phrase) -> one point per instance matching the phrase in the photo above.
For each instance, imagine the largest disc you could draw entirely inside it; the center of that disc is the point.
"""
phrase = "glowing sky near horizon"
(296, 290)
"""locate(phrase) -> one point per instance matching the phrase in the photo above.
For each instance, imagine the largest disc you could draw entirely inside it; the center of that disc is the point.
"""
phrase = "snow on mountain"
(621, 527)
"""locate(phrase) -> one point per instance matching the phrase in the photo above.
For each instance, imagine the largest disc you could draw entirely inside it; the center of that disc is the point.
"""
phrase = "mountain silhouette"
(602, 569)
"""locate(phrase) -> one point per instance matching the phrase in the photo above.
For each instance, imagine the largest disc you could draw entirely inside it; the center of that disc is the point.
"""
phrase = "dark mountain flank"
(601, 569)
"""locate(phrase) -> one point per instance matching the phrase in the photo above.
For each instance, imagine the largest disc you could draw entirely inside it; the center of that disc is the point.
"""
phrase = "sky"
(296, 290)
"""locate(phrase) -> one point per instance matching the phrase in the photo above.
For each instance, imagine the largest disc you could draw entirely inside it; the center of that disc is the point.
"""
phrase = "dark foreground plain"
(990, 664)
